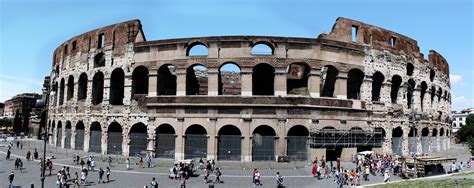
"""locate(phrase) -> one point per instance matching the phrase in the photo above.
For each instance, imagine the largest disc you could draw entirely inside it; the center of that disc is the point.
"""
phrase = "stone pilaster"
(366, 89)
(213, 82)
(246, 82)
(280, 82)
(340, 90)
(281, 149)
(180, 82)
(314, 83)
(212, 141)
(153, 83)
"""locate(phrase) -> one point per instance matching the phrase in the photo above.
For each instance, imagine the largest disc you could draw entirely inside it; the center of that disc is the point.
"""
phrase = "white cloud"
(462, 102)
(455, 78)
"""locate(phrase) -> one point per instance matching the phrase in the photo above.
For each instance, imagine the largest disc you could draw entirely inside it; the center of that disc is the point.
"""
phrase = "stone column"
(87, 136)
(419, 148)
(63, 136)
(385, 91)
(279, 82)
(151, 137)
(126, 140)
(73, 137)
(314, 83)
(406, 131)
(104, 140)
(55, 136)
(212, 141)
(180, 82)
(247, 142)
(153, 83)
(246, 82)
(366, 89)
(281, 149)
(179, 141)
(387, 142)
(213, 82)
(417, 100)
(340, 90)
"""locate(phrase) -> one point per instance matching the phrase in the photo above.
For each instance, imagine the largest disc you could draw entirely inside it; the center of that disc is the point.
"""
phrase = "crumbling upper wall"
(116, 35)
(438, 61)
(380, 39)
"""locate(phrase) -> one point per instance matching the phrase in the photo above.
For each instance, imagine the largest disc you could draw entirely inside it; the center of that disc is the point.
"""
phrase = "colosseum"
(249, 98)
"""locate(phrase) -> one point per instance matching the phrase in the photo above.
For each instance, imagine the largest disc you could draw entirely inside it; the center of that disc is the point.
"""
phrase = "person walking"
(10, 179)
(340, 180)
(101, 174)
(386, 177)
(108, 174)
(140, 163)
(257, 179)
(82, 163)
(205, 175)
(35, 154)
(218, 176)
(17, 144)
(148, 161)
(110, 161)
(279, 180)
(153, 183)
(49, 164)
(92, 165)
(28, 155)
(8, 155)
(76, 180)
(127, 162)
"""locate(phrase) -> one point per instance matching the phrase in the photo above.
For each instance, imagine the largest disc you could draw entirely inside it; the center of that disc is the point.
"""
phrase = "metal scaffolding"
(330, 138)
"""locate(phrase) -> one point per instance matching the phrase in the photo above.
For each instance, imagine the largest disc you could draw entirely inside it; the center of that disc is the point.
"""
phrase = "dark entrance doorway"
(229, 143)
(165, 141)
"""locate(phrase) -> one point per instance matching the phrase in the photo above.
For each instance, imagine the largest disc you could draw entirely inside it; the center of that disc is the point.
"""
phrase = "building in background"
(22, 104)
(459, 118)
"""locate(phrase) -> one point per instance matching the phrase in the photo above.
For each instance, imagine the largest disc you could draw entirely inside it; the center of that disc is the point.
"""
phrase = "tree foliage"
(467, 131)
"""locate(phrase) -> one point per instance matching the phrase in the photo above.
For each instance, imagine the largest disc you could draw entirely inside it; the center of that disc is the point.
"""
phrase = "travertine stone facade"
(358, 75)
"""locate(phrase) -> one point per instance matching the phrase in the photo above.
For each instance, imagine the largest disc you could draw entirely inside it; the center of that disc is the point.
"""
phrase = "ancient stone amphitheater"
(249, 98)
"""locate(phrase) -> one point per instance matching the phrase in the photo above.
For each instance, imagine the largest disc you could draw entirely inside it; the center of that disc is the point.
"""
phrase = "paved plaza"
(235, 174)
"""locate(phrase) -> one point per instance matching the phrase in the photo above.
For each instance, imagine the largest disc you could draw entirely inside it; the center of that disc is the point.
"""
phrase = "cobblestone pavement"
(234, 174)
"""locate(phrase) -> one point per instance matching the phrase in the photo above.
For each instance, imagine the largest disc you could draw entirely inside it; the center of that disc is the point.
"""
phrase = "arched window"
(410, 90)
(99, 60)
(329, 76)
(97, 88)
(70, 87)
(354, 81)
(262, 79)
(197, 49)
(396, 81)
(410, 69)
(117, 81)
(262, 49)
(61, 92)
(297, 79)
(424, 87)
(432, 75)
(440, 93)
(433, 93)
(140, 80)
(167, 80)
(377, 80)
(196, 80)
(82, 87)
(229, 79)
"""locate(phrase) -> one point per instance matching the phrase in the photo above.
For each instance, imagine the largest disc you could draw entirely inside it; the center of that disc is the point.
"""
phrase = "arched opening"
(441, 139)
(397, 141)
(99, 60)
(396, 81)
(410, 90)
(54, 89)
(440, 93)
(425, 140)
(117, 81)
(262, 79)
(79, 145)
(297, 138)
(262, 49)
(196, 142)
(95, 138)
(59, 134)
(61, 92)
(297, 79)
(97, 88)
(196, 80)
(138, 140)
(354, 81)
(67, 138)
(167, 80)
(263, 143)
(412, 136)
(229, 143)
(165, 141)
(432, 75)
(410, 69)
(70, 87)
(82, 87)
(434, 140)
(329, 76)
(197, 49)
(115, 139)
(140, 81)
(433, 93)
(377, 80)
(424, 87)
(229, 79)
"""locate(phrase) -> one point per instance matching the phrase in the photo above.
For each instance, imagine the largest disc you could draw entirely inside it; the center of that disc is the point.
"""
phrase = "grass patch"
(454, 183)
(464, 174)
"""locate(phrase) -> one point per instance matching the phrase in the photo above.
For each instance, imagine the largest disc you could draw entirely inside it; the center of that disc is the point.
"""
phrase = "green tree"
(467, 130)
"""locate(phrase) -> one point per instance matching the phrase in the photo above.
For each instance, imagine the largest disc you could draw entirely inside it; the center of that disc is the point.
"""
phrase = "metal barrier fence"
(441, 143)
(412, 144)
(79, 145)
(138, 143)
(434, 144)
(67, 139)
(59, 137)
(263, 148)
(95, 143)
(165, 146)
(297, 148)
(114, 144)
(397, 145)
(425, 144)
(229, 147)
(196, 146)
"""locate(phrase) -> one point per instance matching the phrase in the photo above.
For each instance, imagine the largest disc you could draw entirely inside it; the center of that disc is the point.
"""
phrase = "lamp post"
(44, 116)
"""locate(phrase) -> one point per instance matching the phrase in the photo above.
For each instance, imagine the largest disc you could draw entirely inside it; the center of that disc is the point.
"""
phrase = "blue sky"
(32, 29)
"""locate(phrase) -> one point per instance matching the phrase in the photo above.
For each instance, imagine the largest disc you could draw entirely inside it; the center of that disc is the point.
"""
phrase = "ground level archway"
(196, 142)
(229, 143)
(95, 138)
(79, 144)
(115, 139)
(297, 138)
(165, 141)
(138, 140)
(263, 143)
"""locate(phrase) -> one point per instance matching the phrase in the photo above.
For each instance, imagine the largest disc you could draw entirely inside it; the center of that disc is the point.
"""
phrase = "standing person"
(8, 155)
(279, 180)
(82, 163)
(101, 174)
(386, 176)
(92, 165)
(206, 175)
(28, 155)
(77, 159)
(35, 154)
(83, 176)
(49, 165)
(10, 179)
(253, 175)
(89, 162)
(340, 179)
(148, 161)
(153, 183)
(110, 161)
(21, 145)
(76, 180)
(314, 170)
(127, 162)
(108, 174)
(140, 163)
(17, 144)
(218, 176)
(257, 179)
